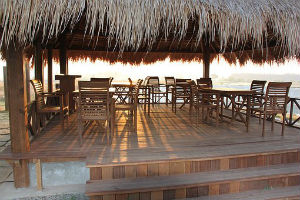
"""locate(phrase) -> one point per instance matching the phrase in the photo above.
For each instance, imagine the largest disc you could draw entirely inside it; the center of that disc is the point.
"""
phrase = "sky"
(219, 69)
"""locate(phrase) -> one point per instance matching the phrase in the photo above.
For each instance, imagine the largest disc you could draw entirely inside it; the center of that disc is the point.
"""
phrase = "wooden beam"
(206, 59)
(50, 70)
(5, 87)
(38, 170)
(27, 72)
(17, 95)
(63, 59)
(38, 62)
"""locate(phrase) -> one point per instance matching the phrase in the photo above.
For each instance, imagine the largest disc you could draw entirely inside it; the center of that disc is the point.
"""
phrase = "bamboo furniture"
(132, 105)
(95, 104)
(170, 82)
(275, 102)
(43, 108)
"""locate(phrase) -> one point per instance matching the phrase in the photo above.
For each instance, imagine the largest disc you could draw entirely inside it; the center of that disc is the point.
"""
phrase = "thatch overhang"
(151, 30)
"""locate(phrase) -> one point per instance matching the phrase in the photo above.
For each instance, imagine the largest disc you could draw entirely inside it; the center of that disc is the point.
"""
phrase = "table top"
(228, 90)
(122, 85)
(111, 90)
(63, 76)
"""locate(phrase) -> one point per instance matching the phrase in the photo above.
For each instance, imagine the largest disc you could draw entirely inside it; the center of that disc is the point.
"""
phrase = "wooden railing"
(292, 119)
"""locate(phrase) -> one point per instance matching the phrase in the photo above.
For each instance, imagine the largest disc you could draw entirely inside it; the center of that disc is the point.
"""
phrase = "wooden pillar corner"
(17, 96)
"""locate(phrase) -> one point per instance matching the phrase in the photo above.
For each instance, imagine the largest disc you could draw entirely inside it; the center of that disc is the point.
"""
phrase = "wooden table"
(67, 85)
(236, 109)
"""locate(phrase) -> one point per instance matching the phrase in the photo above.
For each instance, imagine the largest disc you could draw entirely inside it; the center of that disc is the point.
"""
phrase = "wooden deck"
(160, 136)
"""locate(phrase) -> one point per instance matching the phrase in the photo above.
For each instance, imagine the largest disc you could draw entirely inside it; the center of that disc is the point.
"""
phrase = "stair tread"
(210, 149)
(143, 184)
(274, 193)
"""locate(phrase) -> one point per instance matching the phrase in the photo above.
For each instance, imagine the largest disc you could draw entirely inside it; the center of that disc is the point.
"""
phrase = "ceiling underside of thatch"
(259, 30)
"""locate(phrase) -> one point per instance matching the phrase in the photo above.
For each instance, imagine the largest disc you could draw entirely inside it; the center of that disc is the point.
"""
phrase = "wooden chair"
(204, 82)
(95, 104)
(144, 95)
(40, 98)
(130, 81)
(170, 82)
(132, 105)
(275, 102)
(256, 100)
(157, 93)
(207, 102)
(181, 91)
(109, 80)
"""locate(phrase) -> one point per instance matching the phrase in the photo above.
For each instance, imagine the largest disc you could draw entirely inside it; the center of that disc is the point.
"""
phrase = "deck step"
(175, 166)
(291, 192)
(243, 179)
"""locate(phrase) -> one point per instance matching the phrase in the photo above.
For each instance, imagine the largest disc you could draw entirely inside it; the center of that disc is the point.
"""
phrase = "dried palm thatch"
(134, 23)
(135, 58)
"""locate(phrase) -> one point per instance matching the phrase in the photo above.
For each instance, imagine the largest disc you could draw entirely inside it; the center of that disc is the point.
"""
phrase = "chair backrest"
(146, 80)
(182, 80)
(136, 90)
(153, 80)
(258, 86)
(38, 90)
(170, 80)
(130, 81)
(93, 100)
(277, 95)
(204, 82)
(100, 79)
(110, 81)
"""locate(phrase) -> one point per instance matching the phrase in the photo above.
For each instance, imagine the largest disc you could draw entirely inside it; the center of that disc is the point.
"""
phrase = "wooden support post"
(50, 79)
(38, 62)
(17, 95)
(27, 70)
(5, 87)
(63, 59)
(206, 59)
(38, 170)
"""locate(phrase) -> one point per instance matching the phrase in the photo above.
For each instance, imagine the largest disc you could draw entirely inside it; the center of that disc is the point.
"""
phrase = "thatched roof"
(265, 29)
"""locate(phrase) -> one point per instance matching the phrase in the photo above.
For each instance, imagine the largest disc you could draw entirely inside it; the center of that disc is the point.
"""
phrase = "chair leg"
(61, 115)
(264, 122)
(259, 118)
(79, 129)
(283, 124)
(273, 120)
(217, 115)
(107, 131)
(135, 120)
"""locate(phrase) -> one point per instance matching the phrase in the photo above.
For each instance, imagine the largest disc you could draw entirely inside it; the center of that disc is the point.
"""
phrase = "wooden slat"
(17, 96)
(278, 193)
(197, 179)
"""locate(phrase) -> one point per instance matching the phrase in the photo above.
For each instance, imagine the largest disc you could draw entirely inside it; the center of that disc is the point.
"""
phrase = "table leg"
(232, 99)
(248, 113)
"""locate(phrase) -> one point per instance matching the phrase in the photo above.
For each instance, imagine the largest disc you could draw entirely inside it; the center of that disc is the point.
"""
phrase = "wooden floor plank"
(160, 136)
(271, 194)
